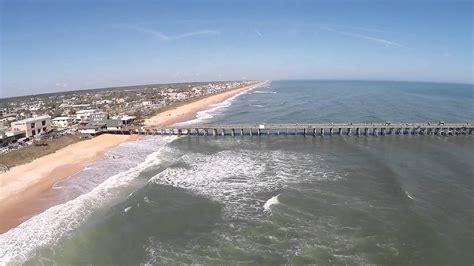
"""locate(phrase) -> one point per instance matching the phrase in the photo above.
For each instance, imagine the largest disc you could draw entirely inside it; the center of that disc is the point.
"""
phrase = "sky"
(49, 46)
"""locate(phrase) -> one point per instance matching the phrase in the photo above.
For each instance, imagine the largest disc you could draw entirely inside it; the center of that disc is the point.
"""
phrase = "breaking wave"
(267, 92)
(240, 188)
(48, 227)
(213, 110)
(270, 202)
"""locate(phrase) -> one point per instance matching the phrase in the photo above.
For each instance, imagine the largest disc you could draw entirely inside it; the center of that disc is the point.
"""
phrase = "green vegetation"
(32, 152)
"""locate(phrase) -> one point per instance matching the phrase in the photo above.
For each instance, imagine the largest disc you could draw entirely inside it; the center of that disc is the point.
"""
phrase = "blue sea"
(270, 200)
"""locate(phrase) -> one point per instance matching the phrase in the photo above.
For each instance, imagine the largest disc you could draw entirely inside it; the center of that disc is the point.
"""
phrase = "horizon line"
(184, 82)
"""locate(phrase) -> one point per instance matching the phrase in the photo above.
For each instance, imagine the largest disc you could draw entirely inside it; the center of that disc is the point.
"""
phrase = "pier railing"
(312, 129)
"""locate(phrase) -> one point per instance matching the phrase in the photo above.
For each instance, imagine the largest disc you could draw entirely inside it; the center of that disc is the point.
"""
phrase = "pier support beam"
(223, 132)
(206, 132)
(233, 132)
(331, 131)
(250, 132)
(375, 133)
(214, 132)
(258, 132)
(340, 131)
(304, 132)
(179, 132)
(314, 132)
(241, 132)
(357, 131)
(348, 131)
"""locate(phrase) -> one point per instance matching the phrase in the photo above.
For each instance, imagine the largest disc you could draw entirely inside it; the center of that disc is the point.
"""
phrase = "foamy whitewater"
(57, 222)
(206, 115)
(274, 199)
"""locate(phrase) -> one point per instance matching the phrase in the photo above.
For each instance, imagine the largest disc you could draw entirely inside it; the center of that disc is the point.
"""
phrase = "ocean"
(398, 200)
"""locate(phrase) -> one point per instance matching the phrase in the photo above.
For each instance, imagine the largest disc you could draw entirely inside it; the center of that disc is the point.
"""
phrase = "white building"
(84, 115)
(62, 121)
(33, 126)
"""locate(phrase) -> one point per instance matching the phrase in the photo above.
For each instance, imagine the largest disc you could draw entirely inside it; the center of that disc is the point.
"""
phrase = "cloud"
(164, 37)
(386, 43)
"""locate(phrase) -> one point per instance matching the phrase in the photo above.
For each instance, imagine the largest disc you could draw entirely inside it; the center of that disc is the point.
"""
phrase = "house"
(7, 137)
(92, 129)
(114, 124)
(127, 119)
(62, 121)
(99, 116)
(84, 115)
(148, 102)
(33, 126)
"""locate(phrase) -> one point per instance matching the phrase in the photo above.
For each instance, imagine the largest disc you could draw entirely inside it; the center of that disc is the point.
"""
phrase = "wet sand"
(24, 189)
(21, 187)
(189, 111)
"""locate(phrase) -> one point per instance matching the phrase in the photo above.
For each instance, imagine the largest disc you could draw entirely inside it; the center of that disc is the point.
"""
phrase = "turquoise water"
(396, 200)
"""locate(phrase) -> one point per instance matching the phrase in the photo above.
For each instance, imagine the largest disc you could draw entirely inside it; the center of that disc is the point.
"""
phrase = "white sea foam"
(127, 209)
(265, 92)
(270, 202)
(59, 221)
(213, 109)
(409, 196)
(237, 179)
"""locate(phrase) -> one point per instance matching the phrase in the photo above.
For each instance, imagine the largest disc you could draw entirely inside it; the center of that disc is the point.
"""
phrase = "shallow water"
(277, 199)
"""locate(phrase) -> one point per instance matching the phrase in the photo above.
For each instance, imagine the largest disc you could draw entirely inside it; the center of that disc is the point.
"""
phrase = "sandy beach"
(189, 111)
(23, 186)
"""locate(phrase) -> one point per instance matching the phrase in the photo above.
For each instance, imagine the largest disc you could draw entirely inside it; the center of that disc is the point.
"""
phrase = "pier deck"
(315, 129)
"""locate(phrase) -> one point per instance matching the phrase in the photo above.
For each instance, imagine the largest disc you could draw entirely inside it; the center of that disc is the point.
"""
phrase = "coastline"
(23, 185)
(189, 111)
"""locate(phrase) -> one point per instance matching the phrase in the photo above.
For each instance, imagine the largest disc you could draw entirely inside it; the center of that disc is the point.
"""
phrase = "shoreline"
(24, 190)
(189, 111)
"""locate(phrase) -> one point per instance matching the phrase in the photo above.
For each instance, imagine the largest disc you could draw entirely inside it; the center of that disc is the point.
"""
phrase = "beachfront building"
(127, 119)
(92, 129)
(114, 124)
(62, 121)
(33, 126)
(7, 137)
(99, 116)
(84, 115)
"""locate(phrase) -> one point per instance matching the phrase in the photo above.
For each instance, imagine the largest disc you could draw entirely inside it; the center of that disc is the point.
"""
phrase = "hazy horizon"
(204, 81)
(64, 46)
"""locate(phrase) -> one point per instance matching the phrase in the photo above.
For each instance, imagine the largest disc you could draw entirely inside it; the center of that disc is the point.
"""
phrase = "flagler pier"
(313, 129)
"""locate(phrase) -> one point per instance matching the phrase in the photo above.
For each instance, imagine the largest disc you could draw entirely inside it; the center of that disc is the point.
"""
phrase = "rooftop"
(34, 119)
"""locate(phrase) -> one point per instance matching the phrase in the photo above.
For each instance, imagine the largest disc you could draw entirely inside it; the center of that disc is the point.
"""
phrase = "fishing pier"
(312, 129)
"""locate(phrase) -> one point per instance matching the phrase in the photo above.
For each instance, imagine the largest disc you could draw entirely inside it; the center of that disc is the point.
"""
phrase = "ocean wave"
(240, 187)
(213, 109)
(265, 92)
(270, 202)
(47, 228)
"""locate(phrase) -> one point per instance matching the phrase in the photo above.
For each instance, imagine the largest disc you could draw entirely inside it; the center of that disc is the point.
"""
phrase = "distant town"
(32, 120)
